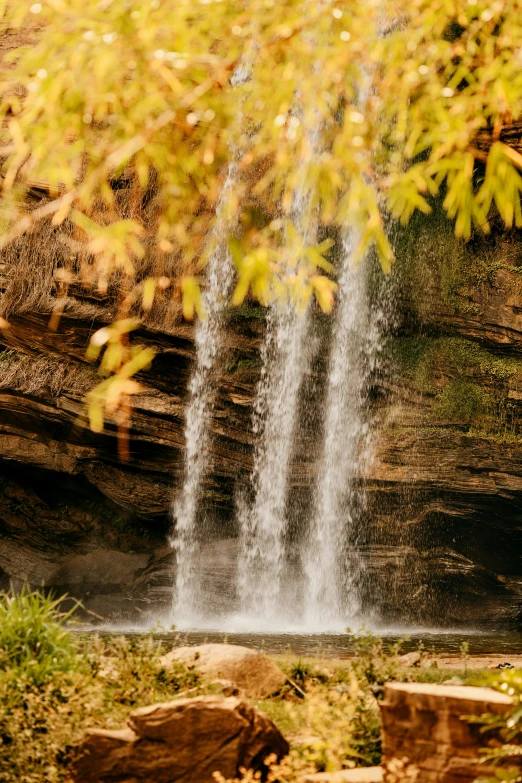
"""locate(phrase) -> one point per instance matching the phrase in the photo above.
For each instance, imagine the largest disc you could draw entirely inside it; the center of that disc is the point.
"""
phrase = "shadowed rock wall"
(442, 531)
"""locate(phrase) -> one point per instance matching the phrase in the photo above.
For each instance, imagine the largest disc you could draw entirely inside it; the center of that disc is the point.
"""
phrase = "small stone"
(226, 687)
(454, 681)
(410, 659)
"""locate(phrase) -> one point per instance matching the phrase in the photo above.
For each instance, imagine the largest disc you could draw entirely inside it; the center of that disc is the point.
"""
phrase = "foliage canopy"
(157, 130)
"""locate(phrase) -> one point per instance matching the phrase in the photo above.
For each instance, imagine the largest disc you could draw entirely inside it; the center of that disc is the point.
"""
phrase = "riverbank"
(341, 645)
(56, 685)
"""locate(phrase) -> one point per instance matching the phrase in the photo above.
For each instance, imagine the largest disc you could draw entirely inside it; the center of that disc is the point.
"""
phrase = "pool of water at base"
(338, 645)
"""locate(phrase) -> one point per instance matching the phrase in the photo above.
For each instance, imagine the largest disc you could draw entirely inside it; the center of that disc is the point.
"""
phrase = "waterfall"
(263, 525)
(331, 563)
(186, 540)
(209, 342)
(326, 590)
(331, 556)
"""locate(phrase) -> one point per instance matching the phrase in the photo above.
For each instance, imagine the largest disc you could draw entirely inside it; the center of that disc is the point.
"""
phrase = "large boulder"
(183, 741)
(423, 723)
(254, 675)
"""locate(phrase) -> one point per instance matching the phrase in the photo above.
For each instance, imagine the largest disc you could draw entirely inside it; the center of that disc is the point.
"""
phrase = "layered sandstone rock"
(183, 741)
(441, 534)
(424, 724)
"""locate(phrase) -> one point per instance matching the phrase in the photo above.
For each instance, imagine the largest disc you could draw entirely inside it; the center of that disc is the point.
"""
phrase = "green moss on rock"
(469, 385)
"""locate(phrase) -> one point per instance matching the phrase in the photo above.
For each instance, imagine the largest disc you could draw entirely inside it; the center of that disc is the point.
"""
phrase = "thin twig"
(296, 686)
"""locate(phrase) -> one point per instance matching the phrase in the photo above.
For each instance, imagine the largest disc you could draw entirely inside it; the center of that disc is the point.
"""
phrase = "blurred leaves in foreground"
(124, 119)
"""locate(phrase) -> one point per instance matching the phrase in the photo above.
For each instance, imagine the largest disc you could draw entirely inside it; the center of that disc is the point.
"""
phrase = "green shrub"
(463, 401)
(55, 684)
(375, 663)
(33, 639)
(301, 672)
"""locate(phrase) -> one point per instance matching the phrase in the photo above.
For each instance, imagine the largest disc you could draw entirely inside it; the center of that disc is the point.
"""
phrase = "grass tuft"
(34, 644)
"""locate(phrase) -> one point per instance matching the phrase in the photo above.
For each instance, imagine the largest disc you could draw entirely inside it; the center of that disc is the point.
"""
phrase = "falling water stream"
(331, 565)
(186, 539)
(263, 524)
(209, 343)
(328, 582)
(285, 359)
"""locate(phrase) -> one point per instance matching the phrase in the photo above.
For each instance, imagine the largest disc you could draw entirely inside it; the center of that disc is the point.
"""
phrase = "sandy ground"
(443, 661)
(477, 661)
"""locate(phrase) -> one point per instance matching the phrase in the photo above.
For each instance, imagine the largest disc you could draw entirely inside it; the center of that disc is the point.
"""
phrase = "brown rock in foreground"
(249, 671)
(422, 722)
(185, 740)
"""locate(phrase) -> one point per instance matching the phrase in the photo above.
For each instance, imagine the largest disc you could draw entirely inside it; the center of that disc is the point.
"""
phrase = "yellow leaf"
(95, 413)
(192, 300)
(64, 210)
(131, 387)
(149, 290)
(113, 394)
(324, 290)
(139, 361)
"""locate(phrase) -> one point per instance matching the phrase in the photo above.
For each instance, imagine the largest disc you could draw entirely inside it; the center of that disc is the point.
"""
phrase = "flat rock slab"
(182, 741)
(361, 775)
(422, 722)
(254, 675)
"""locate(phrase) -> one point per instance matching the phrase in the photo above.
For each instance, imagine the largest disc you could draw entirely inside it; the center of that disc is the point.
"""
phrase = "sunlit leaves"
(286, 272)
(324, 289)
(120, 362)
(192, 299)
(503, 184)
(133, 114)
(151, 89)
(113, 246)
(459, 67)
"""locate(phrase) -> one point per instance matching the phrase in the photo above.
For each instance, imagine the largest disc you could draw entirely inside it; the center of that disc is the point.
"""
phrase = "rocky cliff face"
(72, 515)
(443, 522)
(446, 485)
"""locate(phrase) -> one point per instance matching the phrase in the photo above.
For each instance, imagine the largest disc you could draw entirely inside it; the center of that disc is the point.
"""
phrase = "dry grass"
(30, 374)
(32, 265)
(29, 268)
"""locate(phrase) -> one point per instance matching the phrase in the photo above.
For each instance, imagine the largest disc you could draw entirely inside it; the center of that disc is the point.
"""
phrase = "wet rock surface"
(441, 532)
